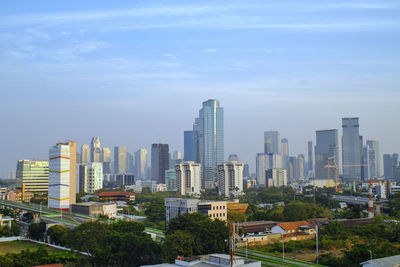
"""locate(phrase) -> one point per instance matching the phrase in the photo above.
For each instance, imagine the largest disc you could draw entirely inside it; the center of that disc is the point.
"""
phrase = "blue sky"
(136, 72)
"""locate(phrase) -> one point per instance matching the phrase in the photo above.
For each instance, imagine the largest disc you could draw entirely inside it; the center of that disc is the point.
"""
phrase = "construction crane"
(336, 168)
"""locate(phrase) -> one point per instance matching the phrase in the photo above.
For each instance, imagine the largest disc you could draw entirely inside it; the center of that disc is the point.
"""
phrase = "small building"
(116, 196)
(211, 260)
(5, 221)
(213, 209)
(17, 196)
(95, 209)
(293, 227)
(178, 206)
(158, 188)
(393, 261)
(3, 193)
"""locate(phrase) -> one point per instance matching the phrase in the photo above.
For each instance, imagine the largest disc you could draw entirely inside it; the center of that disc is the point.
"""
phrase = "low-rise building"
(158, 188)
(5, 221)
(17, 196)
(293, 227)
(116, 196)
(213, 209)
(178, 206)
(95, 209)
(3, 193)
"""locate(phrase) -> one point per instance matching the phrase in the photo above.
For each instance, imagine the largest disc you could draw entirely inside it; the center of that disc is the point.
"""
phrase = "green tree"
(37, 230)
(57, 234)
(87, 236)
(155, 212)
(236, 217)
(179, 243)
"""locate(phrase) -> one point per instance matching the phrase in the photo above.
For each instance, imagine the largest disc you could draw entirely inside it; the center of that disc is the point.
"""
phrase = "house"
(293, 227)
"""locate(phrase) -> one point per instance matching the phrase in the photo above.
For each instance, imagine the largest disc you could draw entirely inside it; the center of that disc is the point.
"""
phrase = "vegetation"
(7, 231)
(36, 230)
(194, 234)
(57, 234)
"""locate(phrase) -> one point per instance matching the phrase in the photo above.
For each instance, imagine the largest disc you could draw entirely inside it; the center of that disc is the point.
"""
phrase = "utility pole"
(316, 241)
(283, 247)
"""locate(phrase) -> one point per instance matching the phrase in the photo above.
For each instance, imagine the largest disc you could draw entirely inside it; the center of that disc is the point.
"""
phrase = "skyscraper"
(95, 150)
(120, 159)
(365, 164)
(106, 156)
(285, 153)
(264, 162)
(233, 157)
(326, 148)
(271, 142)
(34, 175)
(374, 159)
(395, 158)
(310, 161)
(188, 178)
(230, 178)
(300, 167)
(129, 162)
(62, 175)
(85, 153)
(159, 162)
(191, 144)
(140, 164)
(387, 166)
(210, 127)
(91, 177)
(351, 149)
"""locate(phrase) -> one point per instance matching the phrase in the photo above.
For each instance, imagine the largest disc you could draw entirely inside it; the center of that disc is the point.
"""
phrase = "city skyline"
(134, 73)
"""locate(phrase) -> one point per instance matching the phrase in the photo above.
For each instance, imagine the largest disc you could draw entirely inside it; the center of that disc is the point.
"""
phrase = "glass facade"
(351, 149)
(191, 146)
(326, 148)
(271, 142)
(34, 175)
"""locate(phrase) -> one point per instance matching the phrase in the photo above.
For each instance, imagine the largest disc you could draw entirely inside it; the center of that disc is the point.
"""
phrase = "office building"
(351, 149)
(124, 179)
(210, 127)
(95, 150)
(326, 152)
(271, 142)
(365, 163)
(299, 169)
(395, 158)
(178, 206)
(62, 175)
(188, 178)
(85, 153)
(276, 177)
(230, 178)
(34, 175)
(120, 159)
(141, 164)
(292, 165)
(265, 161)
(374, 159)
(91, 177)
(285, 153)
(246, 170)
(233, 157)
(396, 173)
(191, 146)
(106, 156)
(129, 163)
(387, 166)
(213, 209)
(96, 209)
(175, 159)
(170, 180)
(310, 162)
(78, 158)
(159, 162)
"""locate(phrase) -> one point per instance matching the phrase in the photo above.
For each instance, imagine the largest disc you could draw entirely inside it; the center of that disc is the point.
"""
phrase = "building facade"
(120, 159)
(191, 146)
(351, 149)
(276, 177)
(85, 153)
(264, 162)
(34, 175)
(271, 142)
(141, 164)
(159, 162)
(230, 178)
(373, 159)
(95, 150)
(326, 153)
(188, 178)
(178, 206)
(170, 180)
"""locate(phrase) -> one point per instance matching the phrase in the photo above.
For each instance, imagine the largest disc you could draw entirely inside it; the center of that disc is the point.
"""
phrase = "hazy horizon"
(137, 73)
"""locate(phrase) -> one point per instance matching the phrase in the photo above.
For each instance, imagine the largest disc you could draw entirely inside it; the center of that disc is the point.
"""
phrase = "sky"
(136, 72)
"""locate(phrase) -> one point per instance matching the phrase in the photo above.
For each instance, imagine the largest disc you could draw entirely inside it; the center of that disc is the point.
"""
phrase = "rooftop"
(293, 225)
(115, 193)
(392, 261)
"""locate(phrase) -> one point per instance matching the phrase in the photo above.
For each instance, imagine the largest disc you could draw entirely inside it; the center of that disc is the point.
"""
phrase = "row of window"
(216, 215)
(218, 207)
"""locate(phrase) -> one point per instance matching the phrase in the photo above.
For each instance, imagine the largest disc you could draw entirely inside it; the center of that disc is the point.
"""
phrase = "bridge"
(352, 200)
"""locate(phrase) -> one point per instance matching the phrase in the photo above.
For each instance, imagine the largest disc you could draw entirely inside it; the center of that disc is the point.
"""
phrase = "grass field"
(18, 246)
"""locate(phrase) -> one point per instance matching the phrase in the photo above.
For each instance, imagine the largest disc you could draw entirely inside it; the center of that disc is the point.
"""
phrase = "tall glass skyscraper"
(326, 148)
(191, 144)
(210, 128)
(351, 149)
(374, 159)
(271, 142)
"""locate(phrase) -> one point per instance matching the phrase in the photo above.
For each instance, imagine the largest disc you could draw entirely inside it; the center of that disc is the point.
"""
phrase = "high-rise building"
(233, 157)
(365, 164)
(230, 178)
(159, 162)
(326, 153)
(285, 153)
(125, 179)
(78, 158)
(271, 142)
(300, 167)
(191, 146)
(210, 127)
(351, 149)
(91, 177)
(85, 153)
(387, 166)
(95, 150)
(374, 159)
(106, 155)
(293, 162)
(246, 171)
(264, 162)
(170, 179)
(276, 177)
(34, 175)
(62, 175)
(129, 161)
(395, 158)
(120, 159)
(176, 159)
(188, 178)
(310, 162)
(141, 164)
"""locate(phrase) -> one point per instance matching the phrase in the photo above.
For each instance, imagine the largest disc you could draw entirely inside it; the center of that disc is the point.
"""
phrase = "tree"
(87, 236)
(236, 217)
(155, 212)
(37, 230)
(58, 234)
(179, 243)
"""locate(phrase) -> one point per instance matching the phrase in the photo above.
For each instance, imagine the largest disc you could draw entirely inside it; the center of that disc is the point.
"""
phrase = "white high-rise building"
(94, 177)
(140, 164)
(373, 159)
(85, 153)
(264, 162)
(59, 176)
(95, 150)
(188, 178)
(276, 177)
(230, 178)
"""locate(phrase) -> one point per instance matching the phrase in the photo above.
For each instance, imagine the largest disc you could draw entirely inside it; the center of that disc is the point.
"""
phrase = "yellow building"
(214, 209)
(34, 175)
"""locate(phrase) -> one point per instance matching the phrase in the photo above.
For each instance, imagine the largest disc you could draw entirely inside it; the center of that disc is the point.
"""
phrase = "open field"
(18, 246)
